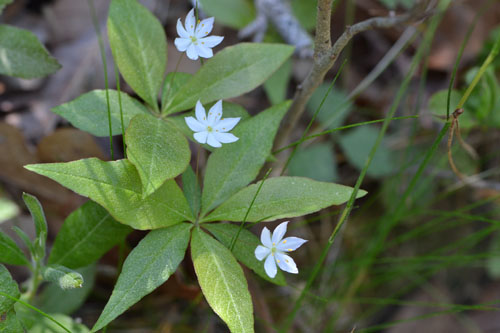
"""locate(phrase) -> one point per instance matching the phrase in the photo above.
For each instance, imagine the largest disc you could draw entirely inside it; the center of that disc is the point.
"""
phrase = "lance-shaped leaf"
(87, 233)
(7, 286)
(89, 112)
(139, 47)
(192, 190)
(222, 282)
(235, 165)
(10, 252)
(148, 266)
(231, 72)
(22, 55)
(36, 210)
(282, 197)
(117, 187)
(157, 149)
(244, 248)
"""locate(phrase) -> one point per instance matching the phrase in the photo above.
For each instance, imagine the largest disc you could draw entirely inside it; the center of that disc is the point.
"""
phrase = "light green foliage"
(53, 299)
(235, 165)
(8, 210)
(85, 236)
(64, 277)
(485, 98)
(316, 162)
(173, 81)
(233, 13)
(231, 72)
(22, 55)
(192, 190)
(222, 282)
(38, 216)
(4, 3)
(10, 323)
(438, 104)
(335, 109)
(10, 252)
(244, 248)
(276, 86)
(158, 151)
(117, 187)
(305, 12)
(89, 112)
(7, 286)
(148, 266)
(281, 197)
(139, 47)
(45, 325)
(357, 144)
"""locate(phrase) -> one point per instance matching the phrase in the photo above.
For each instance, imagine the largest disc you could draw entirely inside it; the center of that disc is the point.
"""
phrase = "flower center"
(273, 250)
(193, 39)
(210, 129)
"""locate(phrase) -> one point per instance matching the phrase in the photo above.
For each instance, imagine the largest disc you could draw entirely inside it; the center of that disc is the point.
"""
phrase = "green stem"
(117, 73)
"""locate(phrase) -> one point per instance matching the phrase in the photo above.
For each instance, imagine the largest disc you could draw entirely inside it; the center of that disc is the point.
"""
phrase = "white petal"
(201, 137)
(191, 52)
(182, 44)
(215, 113)
(204, 27)
(211, 41)
(290, 244)
(261, 252)
(200, 113)
(190, 22)
(226, 124)
(265, 238)
(181, 31)
(195, 125)
(279, 232)
(225, 137)
(204, 52)
(211, 141)
(286, 263)
(270, 266)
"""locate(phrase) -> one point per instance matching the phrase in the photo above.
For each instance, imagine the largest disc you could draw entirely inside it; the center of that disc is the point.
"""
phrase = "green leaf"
(158, 151)
(139, 47)
(173, 82)
(232, 13)
(231, 72)
(8, 210)
(64, 277)
(9, 322)
(55, 300)
(357, 144)
(335, 108)
(22, 55)
(38, 216)
(45, 325)
(89, 112)
(222, 282)
(117, 187)
(148, 266)
(7, 286)
(235, 165)
(85, 236)
(316, 162)
(276, 86)
(244, 248)
(282, 197)
(26, 240)
(10, 253)
(192, 190)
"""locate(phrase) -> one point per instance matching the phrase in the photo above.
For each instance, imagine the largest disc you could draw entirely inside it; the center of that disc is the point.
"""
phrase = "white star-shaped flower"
(194, 39)
(274, 248)
(212, 129)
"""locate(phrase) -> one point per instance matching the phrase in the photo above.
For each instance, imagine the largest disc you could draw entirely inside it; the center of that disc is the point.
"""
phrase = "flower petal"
(201, 115)
(279, 232)
(265, 238)
(211, 41)
(261, 252)
(226, 124)
(286, 263)
(190, 22)
(191, 52)
(212, 141)
(181, 31)
(201, 137)
(290, 244)
(215, 113)
(204, 27)
(270, 266)
(203, 51)
(225, 137)
(182, 44)
(195, 125)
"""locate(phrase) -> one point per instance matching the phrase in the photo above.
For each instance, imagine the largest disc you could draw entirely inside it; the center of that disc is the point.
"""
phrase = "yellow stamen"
(278, 261)
(284, 241)
(290, 250)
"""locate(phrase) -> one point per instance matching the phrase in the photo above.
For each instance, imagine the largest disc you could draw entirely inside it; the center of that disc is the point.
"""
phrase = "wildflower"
(194, 37)
(274, 250)
(212, 129)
